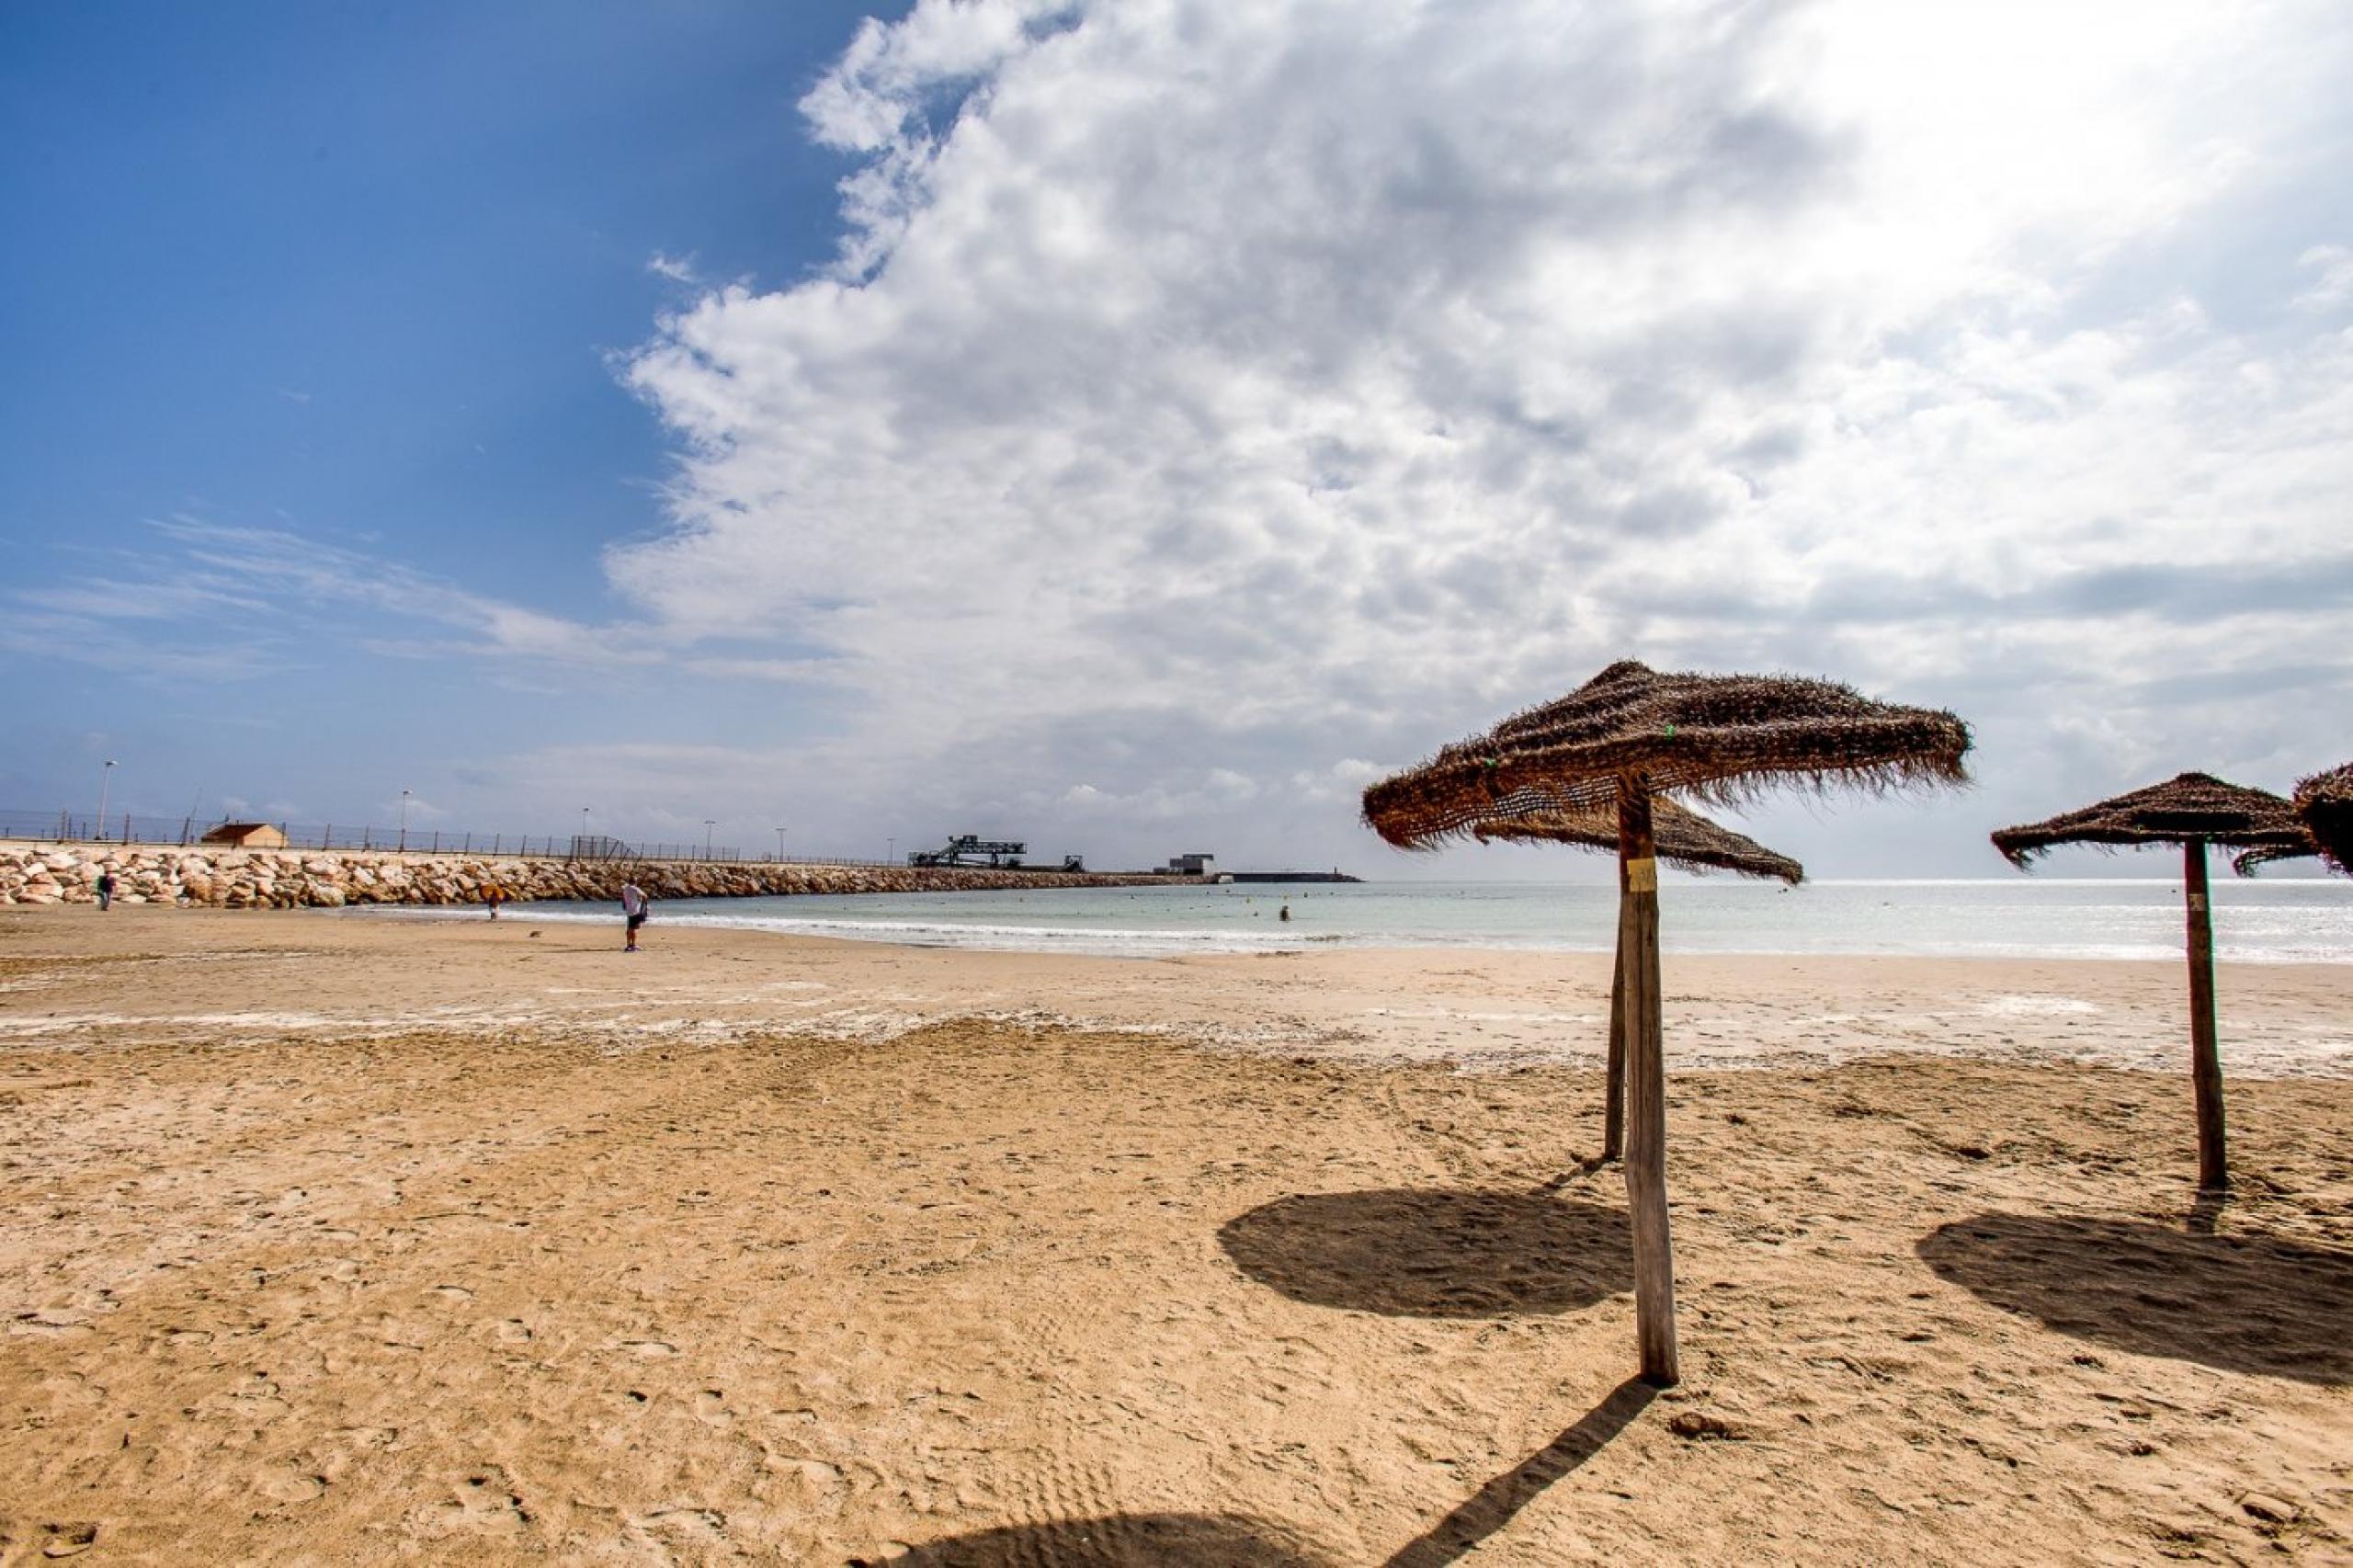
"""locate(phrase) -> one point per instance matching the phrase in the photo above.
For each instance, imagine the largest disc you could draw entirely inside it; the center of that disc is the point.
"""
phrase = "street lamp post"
(105, 776)
(890, 851)
(582, 848)
(404, 794)
(707, 825)
(779, 845)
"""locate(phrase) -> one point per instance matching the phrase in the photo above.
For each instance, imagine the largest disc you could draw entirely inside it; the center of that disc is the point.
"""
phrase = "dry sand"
(330, 1238)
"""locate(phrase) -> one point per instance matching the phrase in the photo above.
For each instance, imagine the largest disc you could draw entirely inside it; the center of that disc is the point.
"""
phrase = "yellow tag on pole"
(2198, 902)
(1642, 876)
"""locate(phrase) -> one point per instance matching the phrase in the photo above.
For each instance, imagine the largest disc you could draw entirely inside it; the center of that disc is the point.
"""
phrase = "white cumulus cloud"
(1210, 395)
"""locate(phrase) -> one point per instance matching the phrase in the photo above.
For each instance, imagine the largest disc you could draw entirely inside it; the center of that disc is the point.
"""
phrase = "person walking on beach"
(633, 906)
(106, 891)
(493, 895)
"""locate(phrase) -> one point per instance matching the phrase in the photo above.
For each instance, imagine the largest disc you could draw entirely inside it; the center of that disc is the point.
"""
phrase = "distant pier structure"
(971, 849)
(1206, 867)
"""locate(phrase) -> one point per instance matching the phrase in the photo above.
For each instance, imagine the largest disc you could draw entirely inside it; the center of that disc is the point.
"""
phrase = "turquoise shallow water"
(2275, 921)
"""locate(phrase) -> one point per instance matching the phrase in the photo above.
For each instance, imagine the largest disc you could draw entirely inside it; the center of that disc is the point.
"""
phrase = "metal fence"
(65, 827)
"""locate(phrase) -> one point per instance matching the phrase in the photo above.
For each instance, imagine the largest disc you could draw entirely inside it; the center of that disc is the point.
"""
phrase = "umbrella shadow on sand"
(1226, 1540)
(1403, 1252)
(1118, 1540)
(2240, 1301)
(1494, 1505)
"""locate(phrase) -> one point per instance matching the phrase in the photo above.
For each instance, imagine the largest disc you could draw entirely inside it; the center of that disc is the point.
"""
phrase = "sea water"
(2276, 921)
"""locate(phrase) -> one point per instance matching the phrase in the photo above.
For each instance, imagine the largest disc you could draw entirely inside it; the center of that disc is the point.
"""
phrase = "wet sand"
(329, 1238)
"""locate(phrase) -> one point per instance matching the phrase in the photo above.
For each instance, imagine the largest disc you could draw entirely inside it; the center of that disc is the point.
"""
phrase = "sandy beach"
(333, 1237)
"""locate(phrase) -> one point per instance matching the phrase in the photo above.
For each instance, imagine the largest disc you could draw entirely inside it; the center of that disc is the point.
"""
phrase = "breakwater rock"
(294, 879)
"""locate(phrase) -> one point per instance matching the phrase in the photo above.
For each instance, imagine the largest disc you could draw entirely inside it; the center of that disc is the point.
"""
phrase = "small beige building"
(247, 835)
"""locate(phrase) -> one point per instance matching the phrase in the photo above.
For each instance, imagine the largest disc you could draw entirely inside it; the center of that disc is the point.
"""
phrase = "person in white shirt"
(634, 904)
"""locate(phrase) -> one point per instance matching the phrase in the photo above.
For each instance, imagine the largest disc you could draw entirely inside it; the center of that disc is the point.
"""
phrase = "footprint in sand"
(70, 1540)
(809, 1485)
(349, 1448)
(683, 1526)
(280, 1485)
(649, 1349)
(365, 1437)
(483, 1502)
(711, 1408)
(453, 1294)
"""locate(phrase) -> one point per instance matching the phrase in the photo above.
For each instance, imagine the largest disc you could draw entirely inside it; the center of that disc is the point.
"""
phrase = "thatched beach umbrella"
(2324, 804)
(1627, 734)
(1683, 838)
(2193, 811)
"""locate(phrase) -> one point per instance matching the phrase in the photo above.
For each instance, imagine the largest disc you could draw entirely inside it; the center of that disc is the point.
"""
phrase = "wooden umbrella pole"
(1646, 1084)
(2205, 1059)
(1613, 1111)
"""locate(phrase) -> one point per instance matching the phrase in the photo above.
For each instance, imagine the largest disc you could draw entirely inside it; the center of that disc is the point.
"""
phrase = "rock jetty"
(294, 879)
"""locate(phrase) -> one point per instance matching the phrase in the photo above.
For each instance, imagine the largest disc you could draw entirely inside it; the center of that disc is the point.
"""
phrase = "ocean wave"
(2021, 919)
(1126, 941)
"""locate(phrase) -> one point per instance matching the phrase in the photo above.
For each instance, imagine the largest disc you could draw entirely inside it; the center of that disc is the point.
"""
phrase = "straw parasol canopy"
(2324, 810)
(2194, 805)
(1615, 748)
(1684, 838)
(1718, 738)
(2325, 804)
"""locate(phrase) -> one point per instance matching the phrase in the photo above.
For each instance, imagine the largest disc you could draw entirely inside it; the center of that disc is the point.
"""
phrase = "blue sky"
(357, 264)
(1133, 425)
(355, 273)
